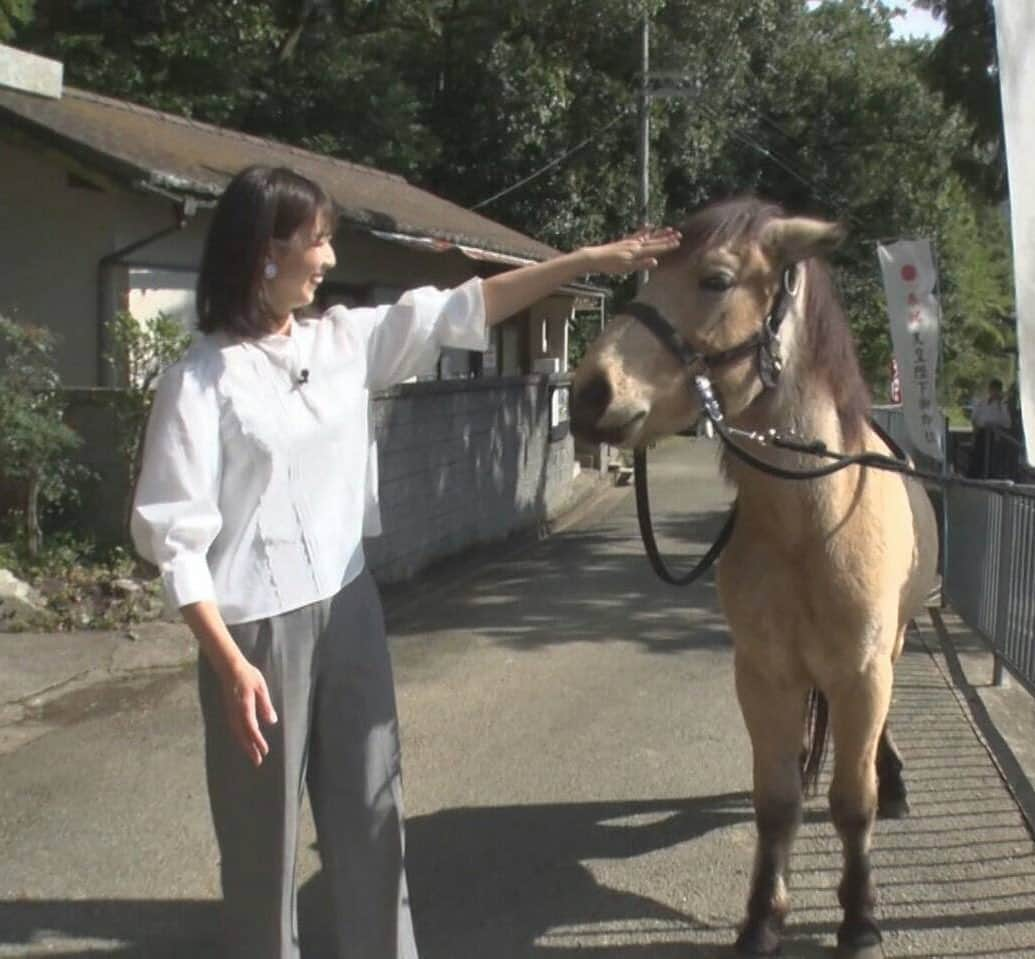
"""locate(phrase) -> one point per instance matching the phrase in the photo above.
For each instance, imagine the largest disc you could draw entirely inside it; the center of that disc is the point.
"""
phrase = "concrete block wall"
(465, 462)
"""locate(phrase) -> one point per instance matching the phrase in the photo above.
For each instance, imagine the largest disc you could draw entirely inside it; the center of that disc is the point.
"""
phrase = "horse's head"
(716, 291)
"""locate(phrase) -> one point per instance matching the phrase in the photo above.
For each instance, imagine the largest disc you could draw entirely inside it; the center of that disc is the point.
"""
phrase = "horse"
(820, 577)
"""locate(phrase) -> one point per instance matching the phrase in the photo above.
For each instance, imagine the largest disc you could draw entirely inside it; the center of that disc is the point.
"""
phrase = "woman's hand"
(507, 294)
(246, 698)
(637, 252)
(247, 702)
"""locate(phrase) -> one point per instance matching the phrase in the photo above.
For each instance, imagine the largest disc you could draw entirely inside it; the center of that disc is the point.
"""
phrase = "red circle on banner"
(909, 273)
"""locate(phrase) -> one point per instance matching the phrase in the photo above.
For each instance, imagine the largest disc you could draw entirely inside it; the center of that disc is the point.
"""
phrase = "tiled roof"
(168, 153)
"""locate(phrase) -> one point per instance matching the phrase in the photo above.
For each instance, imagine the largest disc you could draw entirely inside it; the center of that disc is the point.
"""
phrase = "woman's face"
(301, 262)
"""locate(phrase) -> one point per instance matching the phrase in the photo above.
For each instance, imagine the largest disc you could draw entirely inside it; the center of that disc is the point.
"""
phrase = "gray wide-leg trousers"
(330, 679)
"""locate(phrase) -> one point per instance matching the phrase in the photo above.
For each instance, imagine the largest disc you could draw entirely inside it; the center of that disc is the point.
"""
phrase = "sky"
(916, 23)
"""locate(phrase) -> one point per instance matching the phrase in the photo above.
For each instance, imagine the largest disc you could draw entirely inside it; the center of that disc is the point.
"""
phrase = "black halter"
(766, 342)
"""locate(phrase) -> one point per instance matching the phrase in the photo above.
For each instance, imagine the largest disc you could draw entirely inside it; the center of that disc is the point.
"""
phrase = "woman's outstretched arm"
(511, 292)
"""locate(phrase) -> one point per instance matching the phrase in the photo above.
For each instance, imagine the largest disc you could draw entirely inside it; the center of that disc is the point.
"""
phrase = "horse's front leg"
(775, 718)
(858, 711)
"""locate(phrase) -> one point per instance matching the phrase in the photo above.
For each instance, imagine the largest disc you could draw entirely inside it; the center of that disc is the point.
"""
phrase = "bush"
(140, 351)
(35, 444)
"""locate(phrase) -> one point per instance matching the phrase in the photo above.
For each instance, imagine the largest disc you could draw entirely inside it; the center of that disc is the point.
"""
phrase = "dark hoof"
(892, 807)
(760, 939)
(859, 939)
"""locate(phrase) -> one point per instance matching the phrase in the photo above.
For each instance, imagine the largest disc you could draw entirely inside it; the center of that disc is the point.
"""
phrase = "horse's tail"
(816, 722)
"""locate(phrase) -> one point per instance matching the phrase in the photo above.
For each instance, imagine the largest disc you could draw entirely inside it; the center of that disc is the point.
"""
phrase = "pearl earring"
(270, 271)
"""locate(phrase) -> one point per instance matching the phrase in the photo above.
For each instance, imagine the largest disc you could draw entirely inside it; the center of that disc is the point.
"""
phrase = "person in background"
(257, 485)
(987, 416)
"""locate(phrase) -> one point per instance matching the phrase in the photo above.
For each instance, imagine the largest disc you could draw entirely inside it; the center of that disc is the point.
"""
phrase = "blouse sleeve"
(176, 504)
(405, 339)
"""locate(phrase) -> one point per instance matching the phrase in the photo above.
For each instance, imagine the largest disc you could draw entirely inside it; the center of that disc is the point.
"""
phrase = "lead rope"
(772, 438)
(647, 532)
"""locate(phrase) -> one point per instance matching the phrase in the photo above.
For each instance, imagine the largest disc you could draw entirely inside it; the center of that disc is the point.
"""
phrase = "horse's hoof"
(893, 807)
(859, 939)
(759, 939)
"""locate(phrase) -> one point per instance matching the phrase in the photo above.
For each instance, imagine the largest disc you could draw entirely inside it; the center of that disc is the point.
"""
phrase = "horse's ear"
(793, 239)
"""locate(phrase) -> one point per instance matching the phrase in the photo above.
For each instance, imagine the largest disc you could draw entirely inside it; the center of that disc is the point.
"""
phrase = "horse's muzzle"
(594, 420)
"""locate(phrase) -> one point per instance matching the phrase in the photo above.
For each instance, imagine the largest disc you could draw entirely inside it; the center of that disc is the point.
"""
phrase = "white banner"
(1015, 20)
(909, 282)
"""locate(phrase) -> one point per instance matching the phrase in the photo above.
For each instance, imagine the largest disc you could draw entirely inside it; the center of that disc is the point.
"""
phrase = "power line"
(555, 162)
(837, 202)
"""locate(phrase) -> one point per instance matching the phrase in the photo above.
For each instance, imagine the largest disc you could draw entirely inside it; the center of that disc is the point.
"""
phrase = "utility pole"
(670, 83)
(644, 198)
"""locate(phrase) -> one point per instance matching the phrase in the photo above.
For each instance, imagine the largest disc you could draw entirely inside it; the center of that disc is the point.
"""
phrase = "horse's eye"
(717, 282)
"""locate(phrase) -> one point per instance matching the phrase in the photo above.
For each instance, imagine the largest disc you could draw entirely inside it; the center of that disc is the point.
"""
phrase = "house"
(104, 206)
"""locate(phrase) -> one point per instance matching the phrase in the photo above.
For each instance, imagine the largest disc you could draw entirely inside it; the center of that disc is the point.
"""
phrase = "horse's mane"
(828, 346)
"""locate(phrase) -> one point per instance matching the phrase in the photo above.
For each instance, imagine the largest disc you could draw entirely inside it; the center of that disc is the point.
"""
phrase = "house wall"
(55, 229)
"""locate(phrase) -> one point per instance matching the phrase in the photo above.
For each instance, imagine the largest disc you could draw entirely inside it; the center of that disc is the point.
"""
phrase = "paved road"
(577, 780)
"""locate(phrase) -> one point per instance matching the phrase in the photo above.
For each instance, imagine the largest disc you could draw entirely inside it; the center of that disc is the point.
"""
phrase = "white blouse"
(258, 479)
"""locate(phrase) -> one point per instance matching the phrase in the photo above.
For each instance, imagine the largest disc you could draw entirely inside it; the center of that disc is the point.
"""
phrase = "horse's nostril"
(593, 398)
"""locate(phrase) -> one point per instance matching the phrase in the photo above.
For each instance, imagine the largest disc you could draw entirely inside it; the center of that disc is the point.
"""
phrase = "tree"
(140, 352)
(963, 67)
(814, 106)
(841, 123)
(14, 14)
(326, 76)
(35, 444)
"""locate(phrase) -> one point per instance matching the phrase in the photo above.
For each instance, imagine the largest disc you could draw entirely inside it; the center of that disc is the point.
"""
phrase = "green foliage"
(35, 444)
(813, 105)
(583, 328)
(327, 76)
(140, 351)
(963, 66)
(14, 14)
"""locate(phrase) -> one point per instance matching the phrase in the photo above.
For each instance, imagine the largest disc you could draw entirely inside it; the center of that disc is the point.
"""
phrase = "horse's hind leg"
(775, 719)
(858, 710)
(892, 800)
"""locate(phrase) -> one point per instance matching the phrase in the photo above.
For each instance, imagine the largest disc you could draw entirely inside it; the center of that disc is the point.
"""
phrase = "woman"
(256, 481)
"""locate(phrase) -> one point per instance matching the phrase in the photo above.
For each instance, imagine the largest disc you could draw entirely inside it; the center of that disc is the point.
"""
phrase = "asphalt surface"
(577, 776)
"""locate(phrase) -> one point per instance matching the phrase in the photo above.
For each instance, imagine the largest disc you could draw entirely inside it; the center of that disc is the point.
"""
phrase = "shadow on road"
(131, 928)
(587, 587)
(521, 870)
(504, 881)
(511, 881)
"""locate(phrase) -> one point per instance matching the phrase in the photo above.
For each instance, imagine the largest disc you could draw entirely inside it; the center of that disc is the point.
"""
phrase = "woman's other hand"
(640, 251)
(246, 699)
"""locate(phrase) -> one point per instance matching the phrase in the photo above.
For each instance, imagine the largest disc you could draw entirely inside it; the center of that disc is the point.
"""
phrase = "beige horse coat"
(820, 577)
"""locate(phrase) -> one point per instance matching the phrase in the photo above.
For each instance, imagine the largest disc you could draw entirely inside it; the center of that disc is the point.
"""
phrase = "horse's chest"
(789, 606)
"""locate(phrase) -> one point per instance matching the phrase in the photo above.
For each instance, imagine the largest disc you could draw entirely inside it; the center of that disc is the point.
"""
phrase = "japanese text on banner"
(909, 283)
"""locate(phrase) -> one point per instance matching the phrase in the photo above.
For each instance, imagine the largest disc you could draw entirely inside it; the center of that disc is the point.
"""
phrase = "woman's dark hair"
(260, 204)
